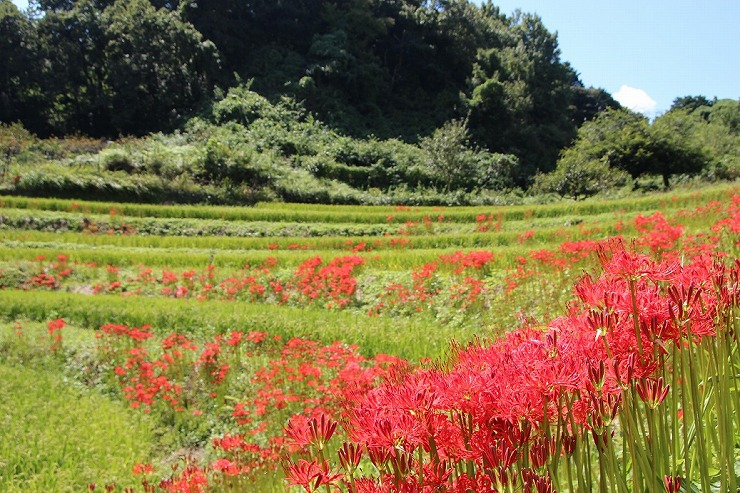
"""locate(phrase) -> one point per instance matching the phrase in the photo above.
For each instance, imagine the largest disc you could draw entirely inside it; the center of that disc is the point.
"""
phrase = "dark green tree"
(521, 96)
(157, 66)
(588, 102)
(626, 141)
(690, 103)
(74, 72)
(21, 97)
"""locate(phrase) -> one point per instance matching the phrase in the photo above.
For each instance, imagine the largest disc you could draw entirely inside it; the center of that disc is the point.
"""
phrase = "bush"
(577, 178)
(241, 106)
(116, 160)
(496, 171)
(14, 139)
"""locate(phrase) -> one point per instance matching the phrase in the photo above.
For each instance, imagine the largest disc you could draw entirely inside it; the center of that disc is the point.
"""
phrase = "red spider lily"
(652, 392)
(349, 457)
(473, 260)
(304, 432)
(191, 480)
(500, 454)
(310, 475)
(616, 260)
(657, 233)
(225, 466)
(540, 451)
(55, 325)
(672, 484)
(534, 483)
(142, 469)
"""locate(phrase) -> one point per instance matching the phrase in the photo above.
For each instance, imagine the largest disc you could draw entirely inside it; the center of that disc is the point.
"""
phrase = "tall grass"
(278, 212)
(56, 438)
(410, 338)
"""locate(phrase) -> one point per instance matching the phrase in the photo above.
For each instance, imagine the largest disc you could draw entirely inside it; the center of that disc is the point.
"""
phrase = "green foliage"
(408, 338)
(116, 160)
(58, 438)
(623, 140)
(119, 67)
(20, 77)
(14, 139)
(521, 95)
(81, 182)
(711, 129)
(241, 105)
(577, 178)
(436, 103)
(156, 60)
(450, 160)
(390, 69)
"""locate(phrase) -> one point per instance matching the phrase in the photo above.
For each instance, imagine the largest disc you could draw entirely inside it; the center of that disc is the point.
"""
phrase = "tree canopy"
(388, 68)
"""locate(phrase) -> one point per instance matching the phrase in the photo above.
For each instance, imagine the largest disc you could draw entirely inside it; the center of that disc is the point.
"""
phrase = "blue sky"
(644, 52)
(657, 49)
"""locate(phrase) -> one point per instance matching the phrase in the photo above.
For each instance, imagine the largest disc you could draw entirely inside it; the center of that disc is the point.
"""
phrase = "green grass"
(57, 438)
(312, 213)
(411, 338)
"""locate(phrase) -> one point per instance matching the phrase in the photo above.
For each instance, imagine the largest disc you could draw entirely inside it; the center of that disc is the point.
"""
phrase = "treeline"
(359, 101)
(245, 149)
(387, 68)
(696, 137)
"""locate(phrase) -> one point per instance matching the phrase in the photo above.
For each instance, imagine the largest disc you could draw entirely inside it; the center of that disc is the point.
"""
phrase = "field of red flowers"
(601, 355)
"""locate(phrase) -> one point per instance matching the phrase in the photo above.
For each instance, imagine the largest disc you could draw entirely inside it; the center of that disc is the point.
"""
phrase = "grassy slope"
(59, 439)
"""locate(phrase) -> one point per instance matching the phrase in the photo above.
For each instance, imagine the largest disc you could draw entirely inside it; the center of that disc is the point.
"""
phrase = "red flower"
(55, 325)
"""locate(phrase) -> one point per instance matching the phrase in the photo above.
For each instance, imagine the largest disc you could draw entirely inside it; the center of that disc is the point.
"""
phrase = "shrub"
(241, 105)
(578, 178)
(14, 139)
(116, 160)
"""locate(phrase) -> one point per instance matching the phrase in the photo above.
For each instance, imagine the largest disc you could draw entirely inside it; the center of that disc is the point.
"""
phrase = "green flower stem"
(697, 414)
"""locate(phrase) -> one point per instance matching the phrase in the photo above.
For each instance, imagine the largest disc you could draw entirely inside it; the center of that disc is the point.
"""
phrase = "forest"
(373, 95)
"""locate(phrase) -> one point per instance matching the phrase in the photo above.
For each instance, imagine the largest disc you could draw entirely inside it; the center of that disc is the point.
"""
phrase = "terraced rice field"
(212, 328)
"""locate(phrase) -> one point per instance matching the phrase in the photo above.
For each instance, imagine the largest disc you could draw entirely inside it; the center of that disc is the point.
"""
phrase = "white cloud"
(636, 100)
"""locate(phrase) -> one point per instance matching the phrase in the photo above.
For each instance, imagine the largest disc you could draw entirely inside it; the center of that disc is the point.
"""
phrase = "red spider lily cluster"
(335, 283)
(427, 288)
(303, 379)
(514, 414)
(657, 233)
(485, 223)
(48, 275)
(55, 333)
(177, 371)
(332, 285)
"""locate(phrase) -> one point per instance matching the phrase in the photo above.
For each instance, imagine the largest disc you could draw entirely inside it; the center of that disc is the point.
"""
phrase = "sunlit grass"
(59, 438)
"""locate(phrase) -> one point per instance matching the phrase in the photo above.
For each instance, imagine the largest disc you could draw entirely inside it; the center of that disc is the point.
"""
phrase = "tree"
(158, 67)
(450, 160)
(71, 45)
(588, 102)
(709, 131)
(690, 103)
(453, 163)
(520, 95)
(576, 176)
(20, 92)
(626, 141)
(726, 112)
